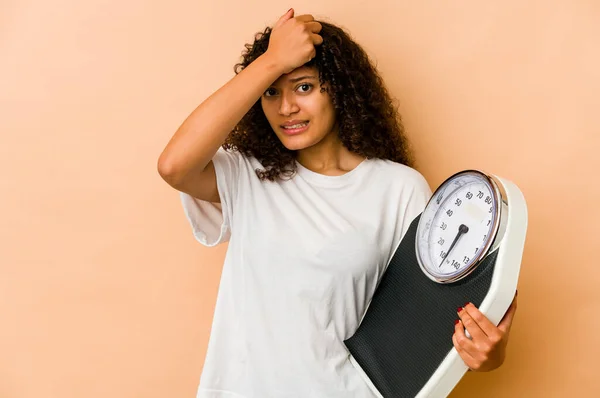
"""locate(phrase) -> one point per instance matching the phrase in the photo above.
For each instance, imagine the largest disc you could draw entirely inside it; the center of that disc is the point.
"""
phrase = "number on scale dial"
(457, 226)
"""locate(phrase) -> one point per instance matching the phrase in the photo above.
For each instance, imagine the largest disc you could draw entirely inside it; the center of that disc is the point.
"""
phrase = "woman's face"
(298, 112)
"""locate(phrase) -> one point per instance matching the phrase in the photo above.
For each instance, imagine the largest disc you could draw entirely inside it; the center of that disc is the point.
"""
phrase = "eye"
(270, 92)
(305, 87)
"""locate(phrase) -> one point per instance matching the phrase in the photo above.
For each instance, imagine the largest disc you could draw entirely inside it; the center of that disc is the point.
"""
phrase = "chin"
(298, 143)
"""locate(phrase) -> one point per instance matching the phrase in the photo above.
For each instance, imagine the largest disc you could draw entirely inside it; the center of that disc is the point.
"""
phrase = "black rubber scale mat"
(407, 330)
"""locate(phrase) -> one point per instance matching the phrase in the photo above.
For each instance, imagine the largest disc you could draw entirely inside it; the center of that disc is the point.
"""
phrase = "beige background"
(103, 290)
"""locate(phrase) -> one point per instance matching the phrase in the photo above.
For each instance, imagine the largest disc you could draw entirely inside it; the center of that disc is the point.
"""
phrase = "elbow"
(167, 169)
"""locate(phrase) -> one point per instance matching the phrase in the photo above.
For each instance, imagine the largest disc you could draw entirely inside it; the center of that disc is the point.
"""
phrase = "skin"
(319, 148)
(486, 350)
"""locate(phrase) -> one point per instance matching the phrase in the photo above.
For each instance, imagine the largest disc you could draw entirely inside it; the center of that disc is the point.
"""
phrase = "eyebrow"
(296, 79)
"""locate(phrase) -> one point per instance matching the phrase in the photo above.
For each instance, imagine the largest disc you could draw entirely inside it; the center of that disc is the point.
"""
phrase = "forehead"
(297, 73)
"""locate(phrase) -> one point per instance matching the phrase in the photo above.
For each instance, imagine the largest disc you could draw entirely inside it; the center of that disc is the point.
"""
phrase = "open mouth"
(295, 128)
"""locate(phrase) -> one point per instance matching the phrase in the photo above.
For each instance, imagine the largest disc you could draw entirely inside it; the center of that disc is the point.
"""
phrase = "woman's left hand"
(486, 348)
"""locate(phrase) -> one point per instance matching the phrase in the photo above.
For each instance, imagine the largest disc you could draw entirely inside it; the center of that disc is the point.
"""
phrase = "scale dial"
(458, 226)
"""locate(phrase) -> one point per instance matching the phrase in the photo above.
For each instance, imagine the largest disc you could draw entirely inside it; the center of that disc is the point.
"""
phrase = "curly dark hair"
(369, 124)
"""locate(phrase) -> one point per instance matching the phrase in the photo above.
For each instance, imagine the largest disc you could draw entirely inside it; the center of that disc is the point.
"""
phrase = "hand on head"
(293, 40)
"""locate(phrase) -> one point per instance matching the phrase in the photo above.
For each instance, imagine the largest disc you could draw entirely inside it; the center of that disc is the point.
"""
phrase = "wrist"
(272, 65)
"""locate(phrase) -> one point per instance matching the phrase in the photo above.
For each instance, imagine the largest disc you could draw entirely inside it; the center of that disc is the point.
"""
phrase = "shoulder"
(400, 175)
(234, 159)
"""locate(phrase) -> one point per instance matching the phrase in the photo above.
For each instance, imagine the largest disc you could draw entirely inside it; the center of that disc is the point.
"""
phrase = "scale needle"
(463, 229)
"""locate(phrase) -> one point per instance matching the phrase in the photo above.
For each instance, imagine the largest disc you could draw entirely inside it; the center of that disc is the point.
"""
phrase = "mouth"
(295, 128)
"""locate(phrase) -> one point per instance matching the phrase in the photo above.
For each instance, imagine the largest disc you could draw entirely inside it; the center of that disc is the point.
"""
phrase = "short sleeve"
(211, 222)
(418, 197)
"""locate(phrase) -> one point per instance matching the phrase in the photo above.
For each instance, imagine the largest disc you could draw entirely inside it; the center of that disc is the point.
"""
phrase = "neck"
(329, 157)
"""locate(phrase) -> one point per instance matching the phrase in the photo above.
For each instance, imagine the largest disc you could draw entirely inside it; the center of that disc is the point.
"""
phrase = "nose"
(288, 104)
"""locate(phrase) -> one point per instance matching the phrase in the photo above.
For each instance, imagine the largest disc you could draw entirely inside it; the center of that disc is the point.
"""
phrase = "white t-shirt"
(304, 259)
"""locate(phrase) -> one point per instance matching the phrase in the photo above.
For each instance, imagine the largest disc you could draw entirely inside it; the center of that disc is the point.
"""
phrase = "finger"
(316, 39)
(305, 18)
(470, 323)
(288, 15)
(314, 27)
(506, 321)
(466, 357)
(469, 349)
(465, 342)
(482, 321)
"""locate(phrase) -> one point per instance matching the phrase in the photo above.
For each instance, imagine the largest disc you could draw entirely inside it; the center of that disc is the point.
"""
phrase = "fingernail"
(466, 304)
(456, 322)
(459, 309)
(289, 9)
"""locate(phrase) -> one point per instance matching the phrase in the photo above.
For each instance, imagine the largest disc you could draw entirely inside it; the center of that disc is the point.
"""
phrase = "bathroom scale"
(466, 246)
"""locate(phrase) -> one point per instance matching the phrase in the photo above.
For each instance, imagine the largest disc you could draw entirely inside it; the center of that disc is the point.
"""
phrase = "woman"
(300, 162)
